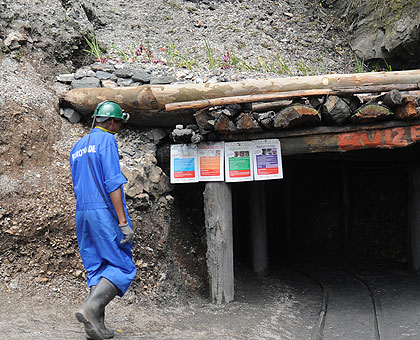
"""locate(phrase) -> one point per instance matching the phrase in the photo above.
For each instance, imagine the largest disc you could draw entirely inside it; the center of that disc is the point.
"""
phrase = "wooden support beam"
(199, 104)
(258, 210)
(270, 96)
(148, 98)
(387, 135)
(219, 225)
(366, 98)
(147, 103)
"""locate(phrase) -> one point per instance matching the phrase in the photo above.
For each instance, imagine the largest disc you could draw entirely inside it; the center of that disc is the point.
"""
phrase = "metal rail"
(318, 330)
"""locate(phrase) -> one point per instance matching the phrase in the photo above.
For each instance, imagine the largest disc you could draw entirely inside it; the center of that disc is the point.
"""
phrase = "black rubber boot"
(108, 333)
(91, 310)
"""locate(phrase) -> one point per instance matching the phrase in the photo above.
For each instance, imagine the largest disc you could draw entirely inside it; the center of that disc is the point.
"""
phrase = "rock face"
(380, 31)
(54, 26)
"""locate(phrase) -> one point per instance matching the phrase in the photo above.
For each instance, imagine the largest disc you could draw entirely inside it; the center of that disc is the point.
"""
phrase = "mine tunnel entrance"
(362, 206)
(354, 205)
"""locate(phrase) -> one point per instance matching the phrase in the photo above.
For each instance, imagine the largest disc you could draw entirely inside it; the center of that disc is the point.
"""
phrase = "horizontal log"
(296, 115)
(371, 113)
(374, 98)
(335, 111)
(270, 106)
(247, 123)
(147, 103)
(224, 125)
(392, 98)
(407, 109)
(377, 88)
(199, 104)
(361, 140)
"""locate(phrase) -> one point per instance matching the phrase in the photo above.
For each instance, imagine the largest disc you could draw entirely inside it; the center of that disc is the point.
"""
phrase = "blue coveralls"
(98, 233)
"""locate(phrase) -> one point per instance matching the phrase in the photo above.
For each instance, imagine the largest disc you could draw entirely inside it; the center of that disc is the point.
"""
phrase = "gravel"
(295, 36)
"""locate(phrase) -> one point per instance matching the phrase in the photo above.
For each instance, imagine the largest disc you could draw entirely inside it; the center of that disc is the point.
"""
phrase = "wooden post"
(218, 215)
(414, 218)
(258, 210)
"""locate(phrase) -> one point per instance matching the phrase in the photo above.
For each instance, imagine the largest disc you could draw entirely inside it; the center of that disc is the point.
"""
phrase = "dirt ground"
(283, 306)
(264, 308)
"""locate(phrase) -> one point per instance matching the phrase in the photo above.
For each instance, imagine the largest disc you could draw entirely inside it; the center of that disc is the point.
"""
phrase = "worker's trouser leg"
(99, 238)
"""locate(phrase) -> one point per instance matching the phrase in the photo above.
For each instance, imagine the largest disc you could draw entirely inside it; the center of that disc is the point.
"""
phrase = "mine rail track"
(318, 330)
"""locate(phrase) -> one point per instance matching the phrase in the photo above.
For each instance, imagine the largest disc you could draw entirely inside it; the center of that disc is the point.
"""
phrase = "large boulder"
(390, 31)
(54, 27)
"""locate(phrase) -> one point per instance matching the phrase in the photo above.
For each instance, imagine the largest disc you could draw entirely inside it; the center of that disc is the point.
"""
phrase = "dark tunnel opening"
(353, 206)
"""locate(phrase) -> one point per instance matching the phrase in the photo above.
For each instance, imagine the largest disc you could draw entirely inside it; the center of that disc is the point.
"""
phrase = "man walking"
(103, 227)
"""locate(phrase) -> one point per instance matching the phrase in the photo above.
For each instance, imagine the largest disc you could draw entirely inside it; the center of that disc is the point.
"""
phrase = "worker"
(103, 227)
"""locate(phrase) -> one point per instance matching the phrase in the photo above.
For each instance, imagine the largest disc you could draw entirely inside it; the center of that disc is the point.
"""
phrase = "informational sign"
(211, 161)
(184, 163)
(267, 159)
(238, 162)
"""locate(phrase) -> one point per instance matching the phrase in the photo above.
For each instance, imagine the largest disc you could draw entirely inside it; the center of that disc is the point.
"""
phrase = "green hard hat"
(109, 109)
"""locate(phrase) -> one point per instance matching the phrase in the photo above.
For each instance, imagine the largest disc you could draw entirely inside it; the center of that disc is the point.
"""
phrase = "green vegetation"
(210, 55)
(175, 58)
(174, 5)
(124, 56)
(359, 65)
(380, 66)
(172, 56)
(283, 68)
(304, 69)
(388, 66)
(94, 49)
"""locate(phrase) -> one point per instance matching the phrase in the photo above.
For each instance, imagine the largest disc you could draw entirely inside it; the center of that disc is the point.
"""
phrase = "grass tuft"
(359, 65)
(94, 49)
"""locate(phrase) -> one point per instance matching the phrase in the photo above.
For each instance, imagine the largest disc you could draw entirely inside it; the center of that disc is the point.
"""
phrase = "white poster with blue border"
(184, 163)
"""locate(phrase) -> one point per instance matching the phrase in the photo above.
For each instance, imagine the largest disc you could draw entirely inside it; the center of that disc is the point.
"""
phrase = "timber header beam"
(389, 135)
